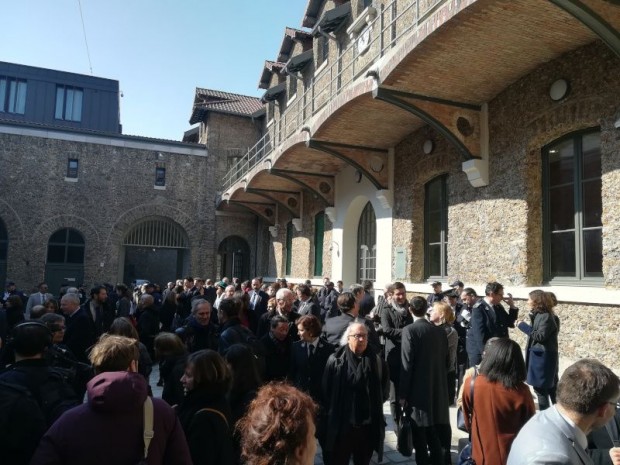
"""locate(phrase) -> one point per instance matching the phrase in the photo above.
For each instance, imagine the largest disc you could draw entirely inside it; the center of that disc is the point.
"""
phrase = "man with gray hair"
(587, 396)
(355, 385)
(80, 330)
(284, 307)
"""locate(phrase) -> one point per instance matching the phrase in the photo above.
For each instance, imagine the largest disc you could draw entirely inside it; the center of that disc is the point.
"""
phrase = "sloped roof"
(269, 68)
(290, 35)
(222, 102)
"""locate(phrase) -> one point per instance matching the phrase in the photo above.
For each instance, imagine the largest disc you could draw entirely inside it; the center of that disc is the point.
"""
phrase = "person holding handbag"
(503, 403)
(541, 354)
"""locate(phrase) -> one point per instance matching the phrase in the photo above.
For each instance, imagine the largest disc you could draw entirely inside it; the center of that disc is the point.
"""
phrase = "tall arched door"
(156, 249)
(65, 259)
(4, 250)
(234, 258)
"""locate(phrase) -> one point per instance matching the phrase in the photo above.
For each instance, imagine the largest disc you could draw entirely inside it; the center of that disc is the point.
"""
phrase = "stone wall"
(505, 217)
(114, 191)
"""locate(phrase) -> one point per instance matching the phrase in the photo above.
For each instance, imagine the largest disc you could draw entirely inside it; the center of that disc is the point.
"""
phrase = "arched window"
(4, 251)
(367, 245)
(234, 253)
(66, 246)
(436, 228)
(572, 208)
(4, 241)
(319, 235)
(289, 248)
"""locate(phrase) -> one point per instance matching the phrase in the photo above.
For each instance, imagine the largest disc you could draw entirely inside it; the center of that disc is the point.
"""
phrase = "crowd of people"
(253, 372)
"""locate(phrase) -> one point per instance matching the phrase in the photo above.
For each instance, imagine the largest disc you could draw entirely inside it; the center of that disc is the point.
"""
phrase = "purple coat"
(108, 429)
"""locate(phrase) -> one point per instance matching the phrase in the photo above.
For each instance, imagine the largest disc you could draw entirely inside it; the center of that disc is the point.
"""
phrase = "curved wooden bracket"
(266, 211)
(291, 201)
(370, 161)
(464, 125)
(593, 21)
(321, 186)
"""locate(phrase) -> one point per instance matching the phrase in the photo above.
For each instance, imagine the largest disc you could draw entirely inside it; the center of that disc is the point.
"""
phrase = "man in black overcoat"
(423, 386)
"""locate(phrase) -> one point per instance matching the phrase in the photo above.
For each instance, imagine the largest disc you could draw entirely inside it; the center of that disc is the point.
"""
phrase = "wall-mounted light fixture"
(559, 90)
(331, 248)
(428, 146)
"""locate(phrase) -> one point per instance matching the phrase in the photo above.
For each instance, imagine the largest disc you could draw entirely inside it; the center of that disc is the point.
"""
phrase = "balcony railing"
(394, 20)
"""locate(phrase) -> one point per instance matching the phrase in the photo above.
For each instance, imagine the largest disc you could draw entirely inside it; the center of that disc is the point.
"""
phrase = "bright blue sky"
(159, 50)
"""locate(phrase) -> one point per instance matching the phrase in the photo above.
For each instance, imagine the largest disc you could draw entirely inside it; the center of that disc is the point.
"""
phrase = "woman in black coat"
(541, 354)
(204, 413)
(172, 356)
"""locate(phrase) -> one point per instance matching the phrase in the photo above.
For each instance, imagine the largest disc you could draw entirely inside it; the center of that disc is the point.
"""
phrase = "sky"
(158, 50)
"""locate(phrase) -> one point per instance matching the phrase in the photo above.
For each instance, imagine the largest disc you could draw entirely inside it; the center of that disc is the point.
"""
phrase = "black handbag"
(405, 436)
(460, 416)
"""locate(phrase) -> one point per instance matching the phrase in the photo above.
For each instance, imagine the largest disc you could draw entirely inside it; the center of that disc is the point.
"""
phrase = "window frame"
(12, 99)
(289, 249)
(160, 176)
(443, 223)
(62, 93)
(366, 252)
(578, 227)
(73, 173)
(319, 238)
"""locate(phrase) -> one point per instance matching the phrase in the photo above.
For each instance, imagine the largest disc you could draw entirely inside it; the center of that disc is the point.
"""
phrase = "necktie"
(310, 350)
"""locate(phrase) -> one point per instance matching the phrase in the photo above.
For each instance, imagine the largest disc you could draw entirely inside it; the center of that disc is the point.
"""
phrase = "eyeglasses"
(359, 337)
(59, 329)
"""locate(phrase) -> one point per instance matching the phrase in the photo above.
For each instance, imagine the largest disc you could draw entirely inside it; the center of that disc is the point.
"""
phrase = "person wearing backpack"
(120, 423)
(32, 394)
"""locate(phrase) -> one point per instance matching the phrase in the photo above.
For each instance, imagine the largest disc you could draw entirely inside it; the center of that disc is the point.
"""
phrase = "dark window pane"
(592, 203)
(561, 208)
(434, 228)
(591, 158)
(3, 234)
(59, 236)
(75, 254)
(563, 254)
(3, 250)
(434, 195)
(434, 260)
(75, 237)
(593, 251)
(561, 163)
(55, 254)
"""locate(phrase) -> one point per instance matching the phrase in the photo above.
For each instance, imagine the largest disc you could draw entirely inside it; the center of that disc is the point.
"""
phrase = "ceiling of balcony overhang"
(471, 59)
(487, 47)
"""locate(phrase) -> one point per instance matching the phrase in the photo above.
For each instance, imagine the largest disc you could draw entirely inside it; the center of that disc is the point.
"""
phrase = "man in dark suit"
(306, 305)
(258, 297)
(277, 344)
(368, 301)
(97, 309)
(80, 330)
(423, 388)
(489, 319)
(335, 327)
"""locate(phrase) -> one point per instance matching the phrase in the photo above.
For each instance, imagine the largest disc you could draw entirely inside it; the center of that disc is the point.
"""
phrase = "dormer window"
(12, 95)
(69, 103)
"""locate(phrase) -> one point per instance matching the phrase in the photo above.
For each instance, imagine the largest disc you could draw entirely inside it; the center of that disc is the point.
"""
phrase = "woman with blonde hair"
(442, 315)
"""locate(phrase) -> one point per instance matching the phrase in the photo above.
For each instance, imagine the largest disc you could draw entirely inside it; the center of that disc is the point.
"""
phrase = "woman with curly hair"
(279, 427)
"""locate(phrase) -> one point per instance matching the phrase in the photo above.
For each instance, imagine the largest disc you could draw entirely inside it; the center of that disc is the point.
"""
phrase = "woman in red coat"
(501, 404)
